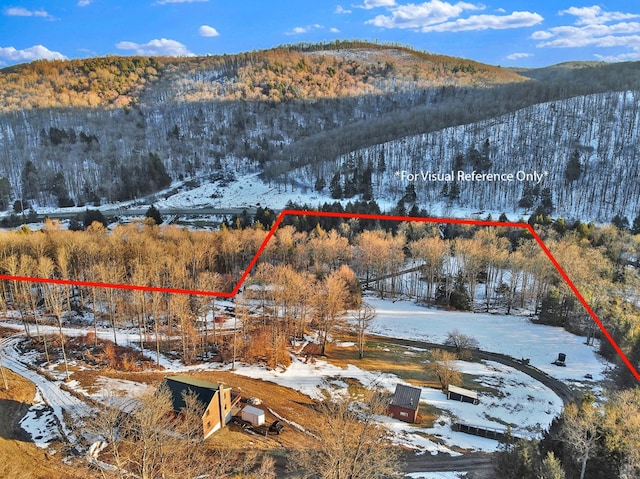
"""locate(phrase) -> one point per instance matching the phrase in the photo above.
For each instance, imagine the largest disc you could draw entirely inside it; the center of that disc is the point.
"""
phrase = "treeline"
(585, 174)
(456, 266)
(588, 440)
(94, 82)
(276, 111)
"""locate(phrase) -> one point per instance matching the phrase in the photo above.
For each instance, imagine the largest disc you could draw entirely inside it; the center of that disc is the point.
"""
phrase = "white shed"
(253, 415)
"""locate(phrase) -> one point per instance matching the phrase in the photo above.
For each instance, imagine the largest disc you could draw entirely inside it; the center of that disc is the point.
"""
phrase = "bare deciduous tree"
(365, 315)
(442, 366)
(150, 441)
(462, 343)
(581, 431)
(352, 445)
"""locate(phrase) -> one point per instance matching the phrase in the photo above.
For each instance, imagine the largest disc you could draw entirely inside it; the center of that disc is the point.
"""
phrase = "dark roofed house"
(215, 399)
(405, 403)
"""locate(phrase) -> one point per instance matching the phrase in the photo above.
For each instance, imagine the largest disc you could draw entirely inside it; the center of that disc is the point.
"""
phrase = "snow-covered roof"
(463, 392)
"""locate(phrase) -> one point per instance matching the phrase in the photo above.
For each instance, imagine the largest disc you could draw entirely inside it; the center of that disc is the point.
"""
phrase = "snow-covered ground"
(247, 191)
(515, 336)
(520, 402)
(511, 397)
(250, 191)
(40, 422)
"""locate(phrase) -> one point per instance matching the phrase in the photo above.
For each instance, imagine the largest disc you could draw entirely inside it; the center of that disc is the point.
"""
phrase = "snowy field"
(515, 336)
(521, 402)
(513, 398)
(249, 191)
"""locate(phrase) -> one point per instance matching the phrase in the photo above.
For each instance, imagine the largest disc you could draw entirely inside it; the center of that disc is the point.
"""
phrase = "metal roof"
(463, 392)
(181, 385)
(406, 396)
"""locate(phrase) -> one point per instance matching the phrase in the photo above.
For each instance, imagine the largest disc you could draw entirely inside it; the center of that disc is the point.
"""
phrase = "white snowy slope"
(515, 336)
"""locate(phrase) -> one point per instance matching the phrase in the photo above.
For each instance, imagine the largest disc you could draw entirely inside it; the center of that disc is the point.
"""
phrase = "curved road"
(60, 401)
(477, 462)
(558, 387)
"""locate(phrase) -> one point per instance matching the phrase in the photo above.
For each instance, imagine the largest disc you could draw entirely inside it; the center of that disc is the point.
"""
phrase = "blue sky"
(499, 32)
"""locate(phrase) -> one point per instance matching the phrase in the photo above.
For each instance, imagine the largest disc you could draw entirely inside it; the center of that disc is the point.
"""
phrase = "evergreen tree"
(574, 168)
(366, 186)
(59, 189)
(621, 222)
(157, 173)
(454, 191)
(546, 201)
(635, 228)
(529, 195)
(5, 193)
(320, 184)
(93, 215)
(335, 187)
(154, 214)
(410, 195)
(30, 181)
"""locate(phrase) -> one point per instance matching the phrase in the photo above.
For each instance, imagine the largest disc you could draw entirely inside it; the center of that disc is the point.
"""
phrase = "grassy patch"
(427, 415)
(406, 363)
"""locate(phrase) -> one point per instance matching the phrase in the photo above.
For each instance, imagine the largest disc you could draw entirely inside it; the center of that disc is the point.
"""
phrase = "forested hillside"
(587, 145)
(82, 132)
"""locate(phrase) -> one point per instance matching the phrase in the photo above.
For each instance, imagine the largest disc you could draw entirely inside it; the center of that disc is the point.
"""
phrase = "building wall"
(218, 412)
(460, 397)
(403, 413)
(211, 418)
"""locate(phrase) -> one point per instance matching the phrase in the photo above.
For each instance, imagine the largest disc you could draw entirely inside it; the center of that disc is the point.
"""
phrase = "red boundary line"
(284, 213)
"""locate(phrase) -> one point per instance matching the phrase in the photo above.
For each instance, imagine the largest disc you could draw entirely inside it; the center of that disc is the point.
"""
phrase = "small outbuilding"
(253, 415)
(405, 403)
(456, 393)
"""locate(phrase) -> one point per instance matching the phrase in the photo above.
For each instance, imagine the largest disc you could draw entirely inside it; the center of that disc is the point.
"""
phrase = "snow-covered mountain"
(329, 122)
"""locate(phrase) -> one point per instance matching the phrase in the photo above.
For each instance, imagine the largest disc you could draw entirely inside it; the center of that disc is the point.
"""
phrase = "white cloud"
(207, 31)
(298, 30)
(84, 3)
(594, 27)
(423, 15)
(301, 30)
(623, 57)
(594, 14)
(157, 47)
(23, 12)
(517, 56)
(340, 10)
(487, 22)
(165, 2)
(334, 30)
(369, 4)
(590, 35)
(36, 52)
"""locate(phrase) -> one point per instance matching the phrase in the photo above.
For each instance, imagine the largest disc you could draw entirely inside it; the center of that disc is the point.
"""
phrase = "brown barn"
(405, 403)
(215, 398)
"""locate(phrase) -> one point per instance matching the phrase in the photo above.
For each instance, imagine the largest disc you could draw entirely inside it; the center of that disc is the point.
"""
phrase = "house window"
(404, 414)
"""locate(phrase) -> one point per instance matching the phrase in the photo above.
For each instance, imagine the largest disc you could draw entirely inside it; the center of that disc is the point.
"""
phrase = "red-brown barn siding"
(403, 413)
